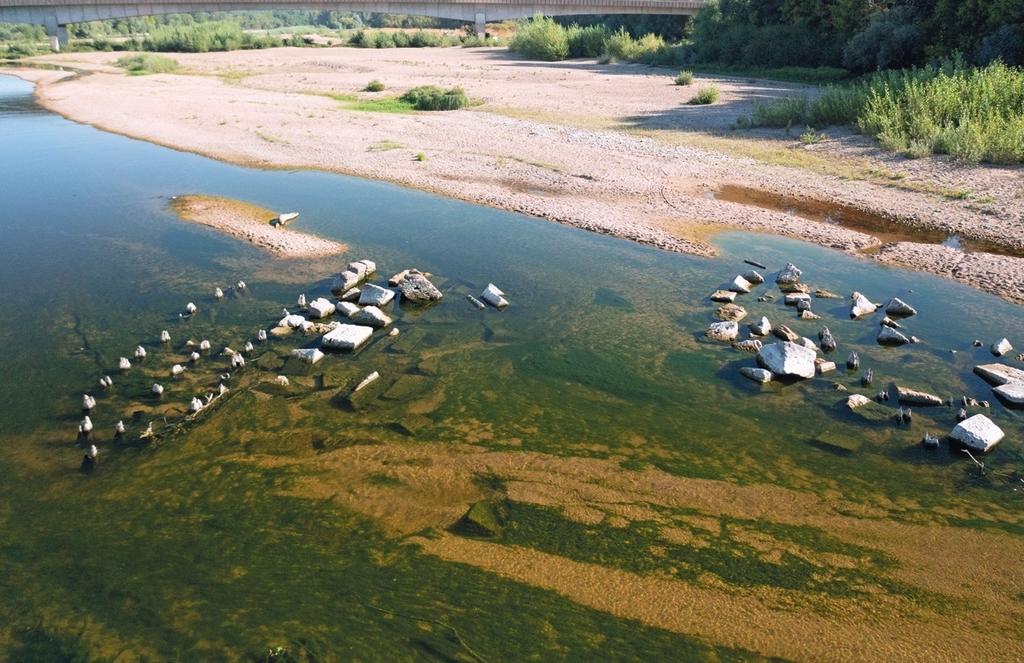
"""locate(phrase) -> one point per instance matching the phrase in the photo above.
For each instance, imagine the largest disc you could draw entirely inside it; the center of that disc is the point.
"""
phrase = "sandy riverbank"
(251, 223)
(608, 148)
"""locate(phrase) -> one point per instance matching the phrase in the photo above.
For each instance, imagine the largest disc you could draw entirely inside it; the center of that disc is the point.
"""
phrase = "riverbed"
(651, 502)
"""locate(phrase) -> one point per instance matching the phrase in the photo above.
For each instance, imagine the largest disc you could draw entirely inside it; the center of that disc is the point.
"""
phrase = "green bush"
(374, 86)
(541, 38)
(204, 37)
(19, 50)
(433, 98)
(705, 95)
(586, 42)
(147, 63)
(684, 78)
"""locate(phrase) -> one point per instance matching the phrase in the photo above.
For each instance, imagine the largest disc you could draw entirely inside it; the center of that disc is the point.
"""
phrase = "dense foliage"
(432, 98)
(974, 114)
(147, 63)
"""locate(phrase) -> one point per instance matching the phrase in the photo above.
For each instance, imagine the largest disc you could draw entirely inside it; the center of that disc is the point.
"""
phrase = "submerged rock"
(1001, 347)
(978, 433)
(825, 294)
(860, 305)
(418, 289)
(756, 374)
(898, 307)
(904, 395)
(760, 328)
(367, 381)
(787, 359)
(375, 295)
(889, 336)
(749, 345)
(723, 296)
(730, 312)
(346, 337)
(722, 331)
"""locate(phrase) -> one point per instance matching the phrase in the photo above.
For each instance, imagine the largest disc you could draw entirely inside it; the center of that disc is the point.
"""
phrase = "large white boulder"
(346, 337)
(977, 433)
(857, 400)
(375, 295)
(740, 284)
(294, 321)
(321, 308)
(789, 275)
(860, 305)
(346, 281)
(889, 336)
(418, 289)
(1011, 392)
(372, 317)
(788, 359)
(998, 374)
(723, 331)
(760, 328)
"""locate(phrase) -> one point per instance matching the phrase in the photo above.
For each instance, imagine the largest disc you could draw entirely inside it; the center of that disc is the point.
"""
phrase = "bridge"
(57, 14)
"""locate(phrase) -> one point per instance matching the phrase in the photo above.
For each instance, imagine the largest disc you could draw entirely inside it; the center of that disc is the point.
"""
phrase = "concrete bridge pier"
(481, 24)
(57, 32)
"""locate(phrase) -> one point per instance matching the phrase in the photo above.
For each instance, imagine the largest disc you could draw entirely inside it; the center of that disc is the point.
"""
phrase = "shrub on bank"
(705, 95)
(684, 78)
(586, 42)
(974, 114)
(205, 37)
(541, 38)
(374, 86)
(433, 98)
(147, 63)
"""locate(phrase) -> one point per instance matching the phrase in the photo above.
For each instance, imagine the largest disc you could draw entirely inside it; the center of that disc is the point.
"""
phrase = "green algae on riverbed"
(294, 516)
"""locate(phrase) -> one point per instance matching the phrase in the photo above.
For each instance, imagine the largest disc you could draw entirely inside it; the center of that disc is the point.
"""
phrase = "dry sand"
(251, 224)
(609, 148)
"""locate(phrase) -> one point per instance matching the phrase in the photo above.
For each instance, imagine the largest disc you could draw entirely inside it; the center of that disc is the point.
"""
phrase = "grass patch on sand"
(147, 63)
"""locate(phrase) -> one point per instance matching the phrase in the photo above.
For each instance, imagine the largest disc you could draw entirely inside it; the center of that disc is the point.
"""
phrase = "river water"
(182, 549)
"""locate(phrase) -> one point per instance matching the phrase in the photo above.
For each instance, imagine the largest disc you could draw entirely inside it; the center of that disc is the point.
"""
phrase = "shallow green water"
(186, 549)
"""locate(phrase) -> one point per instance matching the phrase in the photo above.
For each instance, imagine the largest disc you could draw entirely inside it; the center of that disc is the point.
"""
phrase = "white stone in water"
(261, 335)
(195, 405)
(393, 332)
(809, 344)
(93, 451)
(348, 309)
(723, 331)
(493, 296)
(753, 277)
(756, 374)
(397, 278)
(367, 381)
(740, 284)
(308, 355)
(860, 305)
(1001, 347)
(237, 361)
(826, 367)
(218, 293)
(726, 296)
(123, 364)
(119, 428)
(204, 345)
(978, 433)
(749, 345)
(165, 336)
(302, 300)
(375, 295)
(194, 357)
(86, 425)
(760, 328)
(370, 266)
(346, 281)
(227, 352)
(157, 389)
(998, 374)
(103, 382)
(240, 285)
(1011, 392)
(897, 306)
(88, 402)
(794, 298)
(356, 268)
(177, 370)
(856, 400)
(321, 308)
(346, 337)
(292, 321)
(190, 308)
(282, 380)
(479, 304)
(248, 347)
(222, 389)
(371, 316)
(788, 359)
(789, 275)
(351, 295)
(140, 352)
(890, 336)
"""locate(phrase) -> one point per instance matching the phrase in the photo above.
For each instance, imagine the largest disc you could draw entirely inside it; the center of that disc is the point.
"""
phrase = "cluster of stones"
(794, 357)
